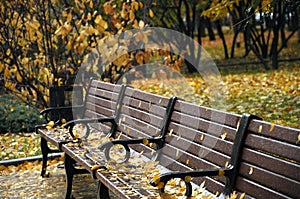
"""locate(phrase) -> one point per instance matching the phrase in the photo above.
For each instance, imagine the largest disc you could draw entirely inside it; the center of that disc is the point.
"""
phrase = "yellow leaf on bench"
(271, 127)
(95, 167)
(50, 125)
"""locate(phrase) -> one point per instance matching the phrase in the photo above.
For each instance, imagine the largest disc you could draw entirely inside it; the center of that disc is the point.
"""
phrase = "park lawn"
(19, 145)
(272, 95)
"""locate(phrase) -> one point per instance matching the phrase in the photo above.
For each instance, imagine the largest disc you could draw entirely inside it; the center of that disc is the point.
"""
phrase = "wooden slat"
(106, 86)
(228, 119)
(211, 128)
(142, 116)
(149, 97)
(275, 147)
(200, 137)
(280, 166)
(142, 130)
(101, 102)
(258, 191)
(200, 151)
(142, 105)
(210, 184)
(275, 131)
(271, 180)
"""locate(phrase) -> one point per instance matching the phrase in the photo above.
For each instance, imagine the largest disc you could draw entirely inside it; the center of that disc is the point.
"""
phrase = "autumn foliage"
(43, 42)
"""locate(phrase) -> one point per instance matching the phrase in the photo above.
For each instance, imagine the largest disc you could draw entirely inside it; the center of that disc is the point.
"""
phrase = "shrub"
(16, 116)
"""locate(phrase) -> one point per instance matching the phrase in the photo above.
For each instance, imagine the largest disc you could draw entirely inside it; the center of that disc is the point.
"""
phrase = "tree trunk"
(220, 33)
(274, 48)
(210, 30)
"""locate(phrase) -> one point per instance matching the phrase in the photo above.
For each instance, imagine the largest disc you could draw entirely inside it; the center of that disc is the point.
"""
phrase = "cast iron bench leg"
(69, 174)
(45, 151)
(102, 191)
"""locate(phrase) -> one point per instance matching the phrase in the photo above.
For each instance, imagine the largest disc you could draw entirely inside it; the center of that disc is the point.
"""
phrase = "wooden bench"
(248, 155)
(100, 102)
(142, 116)
(228, 152)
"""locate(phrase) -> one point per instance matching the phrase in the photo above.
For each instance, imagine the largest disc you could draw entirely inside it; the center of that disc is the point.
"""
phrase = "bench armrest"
(85, 122)
(58, 111)
(161, 180)
(108, 145)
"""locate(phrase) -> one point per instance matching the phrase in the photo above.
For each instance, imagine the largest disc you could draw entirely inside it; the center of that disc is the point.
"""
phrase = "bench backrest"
(202, 138)
(141, 116)
(270, 163)
(197, 140)
(101, 101)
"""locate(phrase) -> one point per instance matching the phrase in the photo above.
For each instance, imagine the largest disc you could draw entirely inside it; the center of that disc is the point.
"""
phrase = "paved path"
(24, 181)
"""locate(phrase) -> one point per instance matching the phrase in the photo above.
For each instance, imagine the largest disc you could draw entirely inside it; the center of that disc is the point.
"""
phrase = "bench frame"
(69, 162)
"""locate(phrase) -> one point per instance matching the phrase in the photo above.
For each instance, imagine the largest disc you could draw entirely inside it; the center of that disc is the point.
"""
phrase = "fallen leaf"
(250, 170)
(272, 127)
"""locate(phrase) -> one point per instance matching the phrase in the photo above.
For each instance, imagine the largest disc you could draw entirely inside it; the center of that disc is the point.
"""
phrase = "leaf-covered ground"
(19, 145)
(24, 181)
(272, 95)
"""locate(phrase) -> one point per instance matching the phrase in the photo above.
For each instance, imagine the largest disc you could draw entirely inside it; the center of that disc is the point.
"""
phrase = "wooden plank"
(280, 166)
(209, 127)
(209, 114)
(94, 111)
(105, 86)
(101, 102)
(270, 179)
(142, 116)
(275, 131)
(103, 94)
(140, 128)
(275, 147)
(200, 151)
(148, 97)
(221, 145)
(257, 191)
(210, 184)
(155, 109)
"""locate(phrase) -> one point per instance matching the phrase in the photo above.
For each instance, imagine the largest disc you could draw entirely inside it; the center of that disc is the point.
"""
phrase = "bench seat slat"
(211, 184)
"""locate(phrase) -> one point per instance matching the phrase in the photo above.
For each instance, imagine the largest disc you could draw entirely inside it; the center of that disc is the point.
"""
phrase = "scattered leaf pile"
(134, 176)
